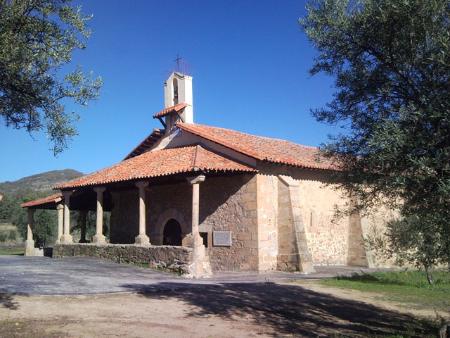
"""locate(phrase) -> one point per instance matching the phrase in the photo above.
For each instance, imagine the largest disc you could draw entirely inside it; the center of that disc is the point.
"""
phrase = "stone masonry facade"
(280, 219)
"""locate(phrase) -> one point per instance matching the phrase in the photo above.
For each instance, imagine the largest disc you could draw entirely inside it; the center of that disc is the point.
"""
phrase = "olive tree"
(391, 65)
(38, 38)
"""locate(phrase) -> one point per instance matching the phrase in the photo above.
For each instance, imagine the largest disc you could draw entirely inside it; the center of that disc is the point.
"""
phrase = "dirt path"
(180, 310)
(117, 315)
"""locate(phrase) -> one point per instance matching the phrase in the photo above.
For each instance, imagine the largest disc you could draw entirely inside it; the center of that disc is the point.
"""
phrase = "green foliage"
(8, 206)
(12, 236)
(45, 220)
(402, 286)
(12, 250)
(391, 61)
(415, 239)
(37, 38)
(45, 227)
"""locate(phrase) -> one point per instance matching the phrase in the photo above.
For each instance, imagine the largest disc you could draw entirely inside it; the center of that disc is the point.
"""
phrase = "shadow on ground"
(7, 301)
(287, 309)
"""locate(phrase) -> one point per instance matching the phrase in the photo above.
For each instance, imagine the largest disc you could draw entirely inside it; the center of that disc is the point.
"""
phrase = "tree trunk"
(429, 275)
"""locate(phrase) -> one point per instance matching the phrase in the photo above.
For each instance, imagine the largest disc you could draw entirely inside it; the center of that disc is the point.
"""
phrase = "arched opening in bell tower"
(175, 91)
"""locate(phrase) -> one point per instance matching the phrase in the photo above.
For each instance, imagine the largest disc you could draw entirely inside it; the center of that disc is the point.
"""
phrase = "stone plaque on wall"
(222, 238)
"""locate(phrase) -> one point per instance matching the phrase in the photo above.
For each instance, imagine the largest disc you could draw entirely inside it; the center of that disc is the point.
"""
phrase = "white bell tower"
(178, 89)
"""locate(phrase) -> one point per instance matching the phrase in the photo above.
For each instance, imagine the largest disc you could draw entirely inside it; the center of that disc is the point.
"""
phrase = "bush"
(12, 236)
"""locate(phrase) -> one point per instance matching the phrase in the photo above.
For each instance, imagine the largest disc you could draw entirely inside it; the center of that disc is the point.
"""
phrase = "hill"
(39, 182)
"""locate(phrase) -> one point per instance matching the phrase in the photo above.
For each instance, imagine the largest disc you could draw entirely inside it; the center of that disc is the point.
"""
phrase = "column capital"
(196, 179)
(141, 184)
(99, 190)
(59, 206)
(67, 193)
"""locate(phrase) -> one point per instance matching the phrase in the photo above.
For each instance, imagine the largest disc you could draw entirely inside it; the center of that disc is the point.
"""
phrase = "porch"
(175, 245)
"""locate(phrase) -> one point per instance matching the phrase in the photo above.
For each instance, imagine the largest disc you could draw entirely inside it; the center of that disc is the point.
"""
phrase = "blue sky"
(249, 61)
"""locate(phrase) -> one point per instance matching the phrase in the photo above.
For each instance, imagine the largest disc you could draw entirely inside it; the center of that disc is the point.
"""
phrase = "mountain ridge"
(41, 182)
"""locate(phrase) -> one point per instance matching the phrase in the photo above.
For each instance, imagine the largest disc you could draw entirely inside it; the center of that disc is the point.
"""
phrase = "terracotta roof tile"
(263, 148)
(173, 109)
(157, 163)
(147, 143)
(55, 198)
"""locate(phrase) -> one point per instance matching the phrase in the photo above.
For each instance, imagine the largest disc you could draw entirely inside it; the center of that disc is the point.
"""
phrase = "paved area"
(83, 275)
(104, 299)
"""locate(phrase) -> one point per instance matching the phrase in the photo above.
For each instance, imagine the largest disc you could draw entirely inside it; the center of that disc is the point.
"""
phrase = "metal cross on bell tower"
(178, 63)
(181, 65)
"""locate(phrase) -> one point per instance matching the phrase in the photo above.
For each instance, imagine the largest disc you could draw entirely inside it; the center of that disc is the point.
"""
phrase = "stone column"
(29, 243)
(99, 238)
(82, 222)
(142, 238)
(200, 266)
(60, 211)
(195, 182)
(66, 238)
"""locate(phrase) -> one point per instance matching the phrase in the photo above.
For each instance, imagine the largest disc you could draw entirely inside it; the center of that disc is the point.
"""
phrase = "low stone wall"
(169, 258)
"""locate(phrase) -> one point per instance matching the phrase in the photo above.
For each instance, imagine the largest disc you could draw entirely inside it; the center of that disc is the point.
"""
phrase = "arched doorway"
(172, 233)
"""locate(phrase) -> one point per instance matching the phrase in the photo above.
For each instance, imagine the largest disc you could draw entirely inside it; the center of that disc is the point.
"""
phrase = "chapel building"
(212, 199)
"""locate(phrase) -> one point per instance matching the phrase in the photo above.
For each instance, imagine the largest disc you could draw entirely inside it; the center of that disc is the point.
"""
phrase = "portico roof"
(48, 202)
(157, 163)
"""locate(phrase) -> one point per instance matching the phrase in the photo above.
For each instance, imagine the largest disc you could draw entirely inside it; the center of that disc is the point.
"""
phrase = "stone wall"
(226, 203)
(332, 239)
(293, 247)
(229, 203)
(327, 233)
(170, 258)
(373, 225)
(253, 208)
(165, 202)
(124, 221)
(288, 258)
(356, 254)
(267, 197)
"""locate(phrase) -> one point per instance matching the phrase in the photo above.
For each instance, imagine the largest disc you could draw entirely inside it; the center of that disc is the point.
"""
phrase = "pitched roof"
(263, 148)
(147, 143)
(158, 163)
(173, 109)
(52, 199)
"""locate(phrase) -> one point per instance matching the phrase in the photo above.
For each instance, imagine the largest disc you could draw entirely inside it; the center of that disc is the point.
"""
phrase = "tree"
(37, 38)
(45, 225)
(391, 62)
